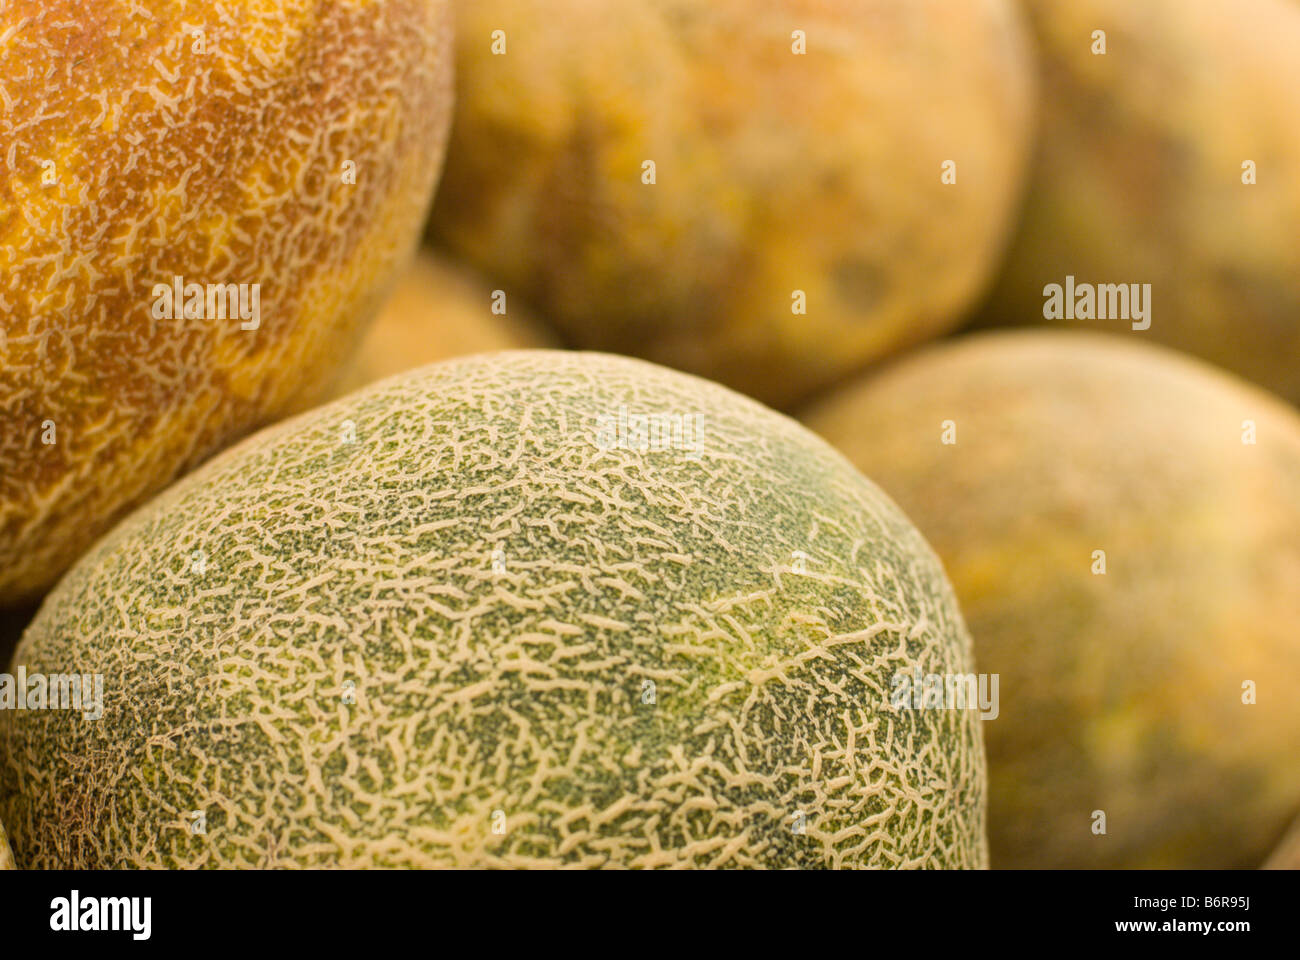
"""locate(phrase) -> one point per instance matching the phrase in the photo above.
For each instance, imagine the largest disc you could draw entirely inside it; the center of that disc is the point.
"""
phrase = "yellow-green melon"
(798, 225)
(1122, 527)
(527, 609)
(439, 310)
(1139, 177)
(272, 161)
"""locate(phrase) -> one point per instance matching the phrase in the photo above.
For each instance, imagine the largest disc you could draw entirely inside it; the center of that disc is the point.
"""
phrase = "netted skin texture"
(290, 147)
(455, 620)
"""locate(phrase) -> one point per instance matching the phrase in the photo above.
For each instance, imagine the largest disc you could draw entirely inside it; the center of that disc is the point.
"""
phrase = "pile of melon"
(630, 494)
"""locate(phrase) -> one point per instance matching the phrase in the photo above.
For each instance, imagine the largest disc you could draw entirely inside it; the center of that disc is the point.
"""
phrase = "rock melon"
(288, 147)
(466, 616)
(1121, 691)
(439, 310)
(774, 172)
(1140, 169)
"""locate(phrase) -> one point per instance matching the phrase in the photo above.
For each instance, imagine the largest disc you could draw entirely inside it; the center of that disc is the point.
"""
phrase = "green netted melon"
(1122, 527)
(462, 618)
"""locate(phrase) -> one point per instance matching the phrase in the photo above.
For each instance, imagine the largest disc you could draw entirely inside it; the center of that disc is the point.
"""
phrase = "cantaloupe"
(439, 310)
(1139, 178)
(798, 225)
(467, 617)
(1121, 691)
(273, 161)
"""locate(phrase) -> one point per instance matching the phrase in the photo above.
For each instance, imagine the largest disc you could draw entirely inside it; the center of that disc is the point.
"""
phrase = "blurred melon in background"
(439, 310)
(797, 226)
(1122, 526)
(1139, 175)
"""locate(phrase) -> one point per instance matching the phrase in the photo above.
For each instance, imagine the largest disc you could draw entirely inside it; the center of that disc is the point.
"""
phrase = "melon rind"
(1139, 176)
(215, 143)
(508, 698)
(820, 172)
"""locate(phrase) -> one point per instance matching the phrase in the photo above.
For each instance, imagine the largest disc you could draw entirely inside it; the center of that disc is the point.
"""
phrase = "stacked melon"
(529, 609)
(769, 194)
(550, 609)
(196, 223)
(1122, 527)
